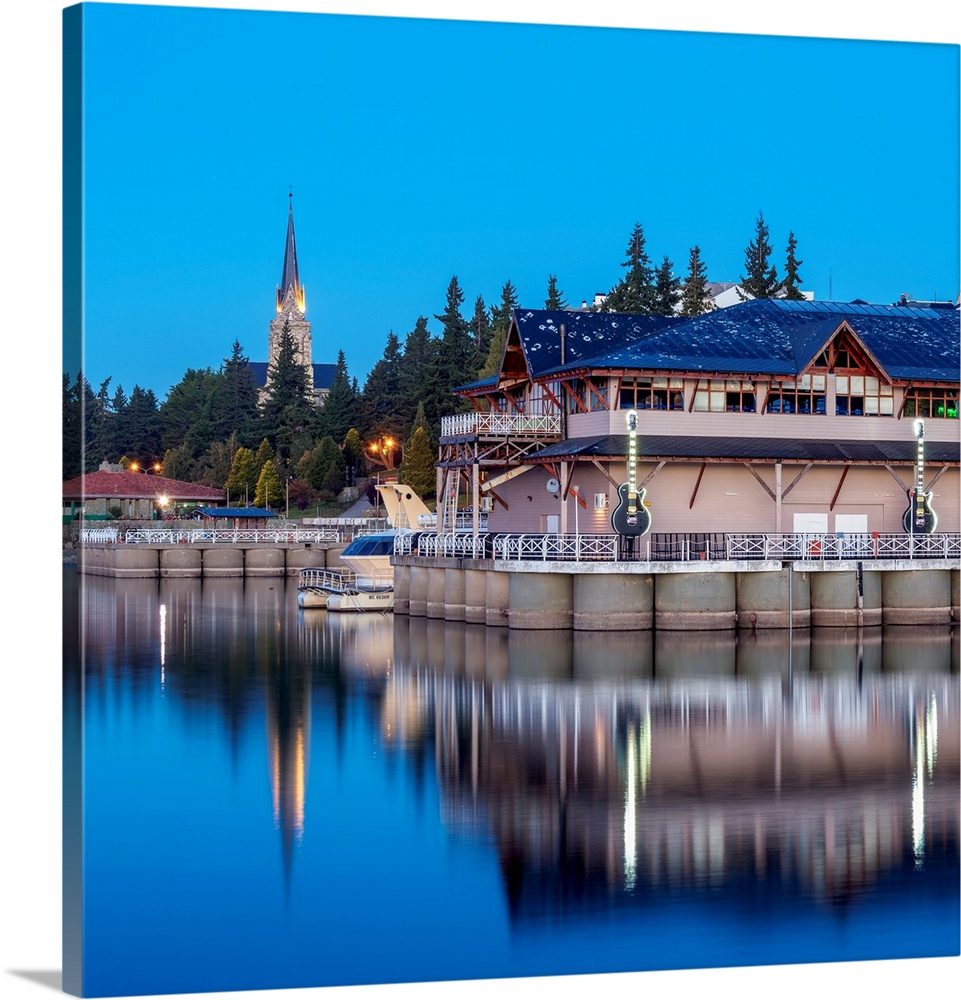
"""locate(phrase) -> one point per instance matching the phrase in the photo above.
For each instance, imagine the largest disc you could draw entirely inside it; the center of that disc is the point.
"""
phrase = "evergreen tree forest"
(215, 427)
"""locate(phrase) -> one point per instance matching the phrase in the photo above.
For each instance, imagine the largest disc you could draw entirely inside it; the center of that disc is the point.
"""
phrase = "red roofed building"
(136, 495)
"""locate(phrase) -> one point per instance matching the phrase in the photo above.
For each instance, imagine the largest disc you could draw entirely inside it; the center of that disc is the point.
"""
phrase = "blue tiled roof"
(234, 512)
(763, 336)
(587, 334)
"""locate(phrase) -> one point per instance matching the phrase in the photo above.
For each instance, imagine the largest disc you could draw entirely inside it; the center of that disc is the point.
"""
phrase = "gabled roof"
(135, 486)
(586, 334)
(762, 336)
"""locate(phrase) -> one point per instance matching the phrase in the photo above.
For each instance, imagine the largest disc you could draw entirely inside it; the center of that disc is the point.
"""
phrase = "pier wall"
(592, 596)
(214, 561)
(682, 597)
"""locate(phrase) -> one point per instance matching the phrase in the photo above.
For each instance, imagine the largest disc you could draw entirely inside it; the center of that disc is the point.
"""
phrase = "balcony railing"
(660, 547)
(530, 425)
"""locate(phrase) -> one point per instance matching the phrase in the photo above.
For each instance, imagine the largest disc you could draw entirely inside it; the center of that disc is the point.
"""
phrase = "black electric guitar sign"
(630, 516)
(919, 518)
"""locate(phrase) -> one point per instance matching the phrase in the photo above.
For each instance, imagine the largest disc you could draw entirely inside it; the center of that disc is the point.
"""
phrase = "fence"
(213, 536)
(683, 547)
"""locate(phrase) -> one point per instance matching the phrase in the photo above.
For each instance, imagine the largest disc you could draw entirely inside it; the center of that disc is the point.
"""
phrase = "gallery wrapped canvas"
(617, 341)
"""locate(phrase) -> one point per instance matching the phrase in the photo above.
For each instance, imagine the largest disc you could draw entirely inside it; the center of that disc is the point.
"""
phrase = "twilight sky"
(418, 149)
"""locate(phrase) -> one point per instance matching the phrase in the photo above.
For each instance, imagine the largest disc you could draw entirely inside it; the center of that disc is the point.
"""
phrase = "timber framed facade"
(768, 416)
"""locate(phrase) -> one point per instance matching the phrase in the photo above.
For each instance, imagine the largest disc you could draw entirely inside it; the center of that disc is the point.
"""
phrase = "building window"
(725, 395)
(863, 395)
(652, 394)
(928, 402)
(804, 395)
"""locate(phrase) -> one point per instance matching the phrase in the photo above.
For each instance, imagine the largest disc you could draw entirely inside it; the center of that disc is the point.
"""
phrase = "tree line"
(214, 428)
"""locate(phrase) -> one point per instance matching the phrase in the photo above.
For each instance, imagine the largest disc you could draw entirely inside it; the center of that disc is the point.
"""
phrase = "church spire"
(290, 279)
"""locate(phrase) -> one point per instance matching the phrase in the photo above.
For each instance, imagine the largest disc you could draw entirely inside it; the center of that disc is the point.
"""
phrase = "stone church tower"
(291, 307)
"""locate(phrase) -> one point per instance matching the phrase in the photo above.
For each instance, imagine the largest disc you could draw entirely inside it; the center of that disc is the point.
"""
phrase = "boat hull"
(378, 600)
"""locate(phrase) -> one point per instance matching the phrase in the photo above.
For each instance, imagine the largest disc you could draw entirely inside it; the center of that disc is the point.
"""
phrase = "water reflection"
(607, 773)
(627, 764)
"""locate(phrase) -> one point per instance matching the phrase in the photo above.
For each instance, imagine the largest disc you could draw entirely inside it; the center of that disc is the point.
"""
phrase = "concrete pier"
(613, 602)
(540, 601)
(695, 601)
(773, 600)
(916, 597)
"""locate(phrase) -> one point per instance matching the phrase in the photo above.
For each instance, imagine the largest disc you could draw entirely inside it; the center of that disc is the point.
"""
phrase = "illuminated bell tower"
(291, 307)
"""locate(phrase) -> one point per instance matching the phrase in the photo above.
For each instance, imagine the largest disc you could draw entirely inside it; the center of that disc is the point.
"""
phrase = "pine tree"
(481, 332)
(381, 404)
(415, 367)
(555, 299)
(213, 468)
(264, 453)
(791, 285)
(321, 459)
(761, 280)
(500, 327)
(287, 408)
(339, 412)
(635, 292)
(270, 490)
(140, 429)
(417, 468)
(185, 415)
(234, 407)
(667, 289)
(455, 349)
(695, 285)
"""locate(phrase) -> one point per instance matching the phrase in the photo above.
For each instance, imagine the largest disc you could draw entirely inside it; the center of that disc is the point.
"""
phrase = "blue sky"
(419, 149)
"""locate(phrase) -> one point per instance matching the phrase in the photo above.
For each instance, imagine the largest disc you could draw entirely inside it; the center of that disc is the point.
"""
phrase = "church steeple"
(290, 308)
(290, 279)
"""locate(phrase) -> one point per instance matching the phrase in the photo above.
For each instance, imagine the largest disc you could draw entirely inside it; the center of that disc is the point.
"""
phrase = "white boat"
(368, 582)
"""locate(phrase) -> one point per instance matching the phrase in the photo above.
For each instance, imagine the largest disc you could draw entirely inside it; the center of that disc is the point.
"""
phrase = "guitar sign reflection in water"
(919, 518)
(631, 518)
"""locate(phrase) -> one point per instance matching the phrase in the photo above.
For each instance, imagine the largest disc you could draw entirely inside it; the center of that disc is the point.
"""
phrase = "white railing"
(672, 548)
(520, 424)
(822, 547)
(99, 535)
(342, 581)
(227, 536)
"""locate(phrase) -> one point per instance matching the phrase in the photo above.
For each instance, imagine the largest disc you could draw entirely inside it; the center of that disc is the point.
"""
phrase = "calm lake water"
(283, 798)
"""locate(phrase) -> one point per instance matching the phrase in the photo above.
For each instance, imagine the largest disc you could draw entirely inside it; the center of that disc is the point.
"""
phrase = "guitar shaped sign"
(919, 518)
(630, 516)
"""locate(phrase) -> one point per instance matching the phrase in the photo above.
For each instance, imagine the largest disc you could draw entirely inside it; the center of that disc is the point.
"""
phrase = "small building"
(234, 518)
(132, 496)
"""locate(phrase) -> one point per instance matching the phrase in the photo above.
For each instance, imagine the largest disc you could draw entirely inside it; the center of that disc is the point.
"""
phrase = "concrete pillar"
(436, 595)
(401, 590)
(694, 601)
(762, 599)
(540, 601)
(180, 561)
(417, 606)
(265, 560)
(300, 557)
(220, 561)
(834, 598)
(475, 595)
(955, 595)
(608, 602)
(133, 561)
(497, 598)
(454, 595)
(916, 597)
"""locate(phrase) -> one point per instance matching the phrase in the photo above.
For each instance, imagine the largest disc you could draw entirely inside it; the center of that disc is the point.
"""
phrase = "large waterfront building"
(290, 315)
(766, 416)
